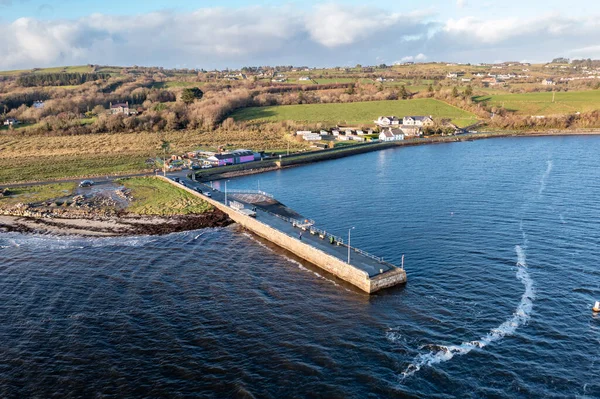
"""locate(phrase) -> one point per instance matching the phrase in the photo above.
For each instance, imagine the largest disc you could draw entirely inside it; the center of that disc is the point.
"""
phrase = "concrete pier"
(364, 271)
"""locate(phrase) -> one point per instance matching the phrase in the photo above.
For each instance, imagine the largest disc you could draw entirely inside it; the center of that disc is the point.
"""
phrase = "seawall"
(325, 261)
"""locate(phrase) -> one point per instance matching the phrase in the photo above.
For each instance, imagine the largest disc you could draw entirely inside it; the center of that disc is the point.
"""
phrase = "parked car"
(208, 194)
(176, 179)
(198, 189)
(206, 166)
(86, 183)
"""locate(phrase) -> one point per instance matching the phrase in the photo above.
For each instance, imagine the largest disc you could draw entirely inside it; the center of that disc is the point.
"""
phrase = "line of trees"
(59, 79)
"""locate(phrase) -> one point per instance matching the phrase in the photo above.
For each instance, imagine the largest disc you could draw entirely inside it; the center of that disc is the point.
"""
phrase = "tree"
(468, 91)
(403, 92)
(191, 94)
(454, 92)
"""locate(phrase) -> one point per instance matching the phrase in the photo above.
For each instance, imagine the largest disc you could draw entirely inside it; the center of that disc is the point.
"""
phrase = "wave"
(522, 314)
(48, 242)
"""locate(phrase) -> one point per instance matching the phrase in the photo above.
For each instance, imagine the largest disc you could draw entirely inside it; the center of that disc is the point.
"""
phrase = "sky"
(222, 34)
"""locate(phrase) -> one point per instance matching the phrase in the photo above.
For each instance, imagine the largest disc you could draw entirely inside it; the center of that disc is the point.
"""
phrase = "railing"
(325, 234)
(250, 192)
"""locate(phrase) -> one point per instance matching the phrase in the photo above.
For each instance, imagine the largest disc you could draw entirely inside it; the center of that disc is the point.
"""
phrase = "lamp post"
(349, 230)
(226, 192)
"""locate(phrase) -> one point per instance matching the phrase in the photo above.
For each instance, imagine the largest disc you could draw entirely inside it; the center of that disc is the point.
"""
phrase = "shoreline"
(315, 157)
(117, 226)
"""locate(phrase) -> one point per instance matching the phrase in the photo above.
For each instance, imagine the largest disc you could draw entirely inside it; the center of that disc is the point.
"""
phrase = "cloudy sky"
(233, 33)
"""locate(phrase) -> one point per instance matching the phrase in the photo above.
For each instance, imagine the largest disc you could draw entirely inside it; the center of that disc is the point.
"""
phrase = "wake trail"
(521, 315)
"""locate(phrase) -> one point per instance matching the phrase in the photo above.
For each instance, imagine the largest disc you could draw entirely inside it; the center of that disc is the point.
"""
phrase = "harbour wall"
(325, 261)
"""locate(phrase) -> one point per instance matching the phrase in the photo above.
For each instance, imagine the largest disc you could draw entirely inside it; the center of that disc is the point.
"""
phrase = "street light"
(226, 192)
(349, 230)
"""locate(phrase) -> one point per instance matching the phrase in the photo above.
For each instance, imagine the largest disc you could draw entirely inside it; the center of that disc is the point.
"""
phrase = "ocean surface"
(501, 239)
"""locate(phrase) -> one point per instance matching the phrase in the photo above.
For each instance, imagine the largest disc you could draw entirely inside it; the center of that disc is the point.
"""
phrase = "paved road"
(369, 265)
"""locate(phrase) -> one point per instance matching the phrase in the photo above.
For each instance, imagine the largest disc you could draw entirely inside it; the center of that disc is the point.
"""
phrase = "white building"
(417, 120)
(388, 121)
(391, 135)
(312, 137)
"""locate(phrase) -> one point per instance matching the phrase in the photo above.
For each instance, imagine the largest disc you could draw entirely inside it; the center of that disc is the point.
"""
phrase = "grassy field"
(34, 158)
(541, 103)
(32, 194)
(355, 113)
(152, 196)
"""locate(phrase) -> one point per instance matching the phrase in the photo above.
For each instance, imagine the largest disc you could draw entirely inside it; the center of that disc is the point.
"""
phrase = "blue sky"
(13, 9)
(232, 33)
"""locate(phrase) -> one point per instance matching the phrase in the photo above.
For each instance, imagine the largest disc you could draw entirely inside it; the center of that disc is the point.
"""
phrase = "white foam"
(545, 176)
(521, 315)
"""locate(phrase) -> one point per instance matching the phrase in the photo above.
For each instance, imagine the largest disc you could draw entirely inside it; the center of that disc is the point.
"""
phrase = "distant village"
(388, 128)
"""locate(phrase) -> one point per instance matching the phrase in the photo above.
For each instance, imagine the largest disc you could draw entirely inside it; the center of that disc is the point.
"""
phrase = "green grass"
(355, 113)
(41, 193)
(541, 103)
(57, 167)
(152, 196)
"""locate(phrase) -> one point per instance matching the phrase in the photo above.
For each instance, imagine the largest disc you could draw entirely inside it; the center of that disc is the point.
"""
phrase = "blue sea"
(500, 239)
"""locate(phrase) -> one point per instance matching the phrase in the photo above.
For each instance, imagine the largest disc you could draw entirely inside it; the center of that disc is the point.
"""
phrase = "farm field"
(541, 103)
(33, 158)
(355, 113)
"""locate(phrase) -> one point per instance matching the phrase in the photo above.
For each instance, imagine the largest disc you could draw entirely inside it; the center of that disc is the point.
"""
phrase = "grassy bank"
(152, 196)
(356, 113)
(35, 194)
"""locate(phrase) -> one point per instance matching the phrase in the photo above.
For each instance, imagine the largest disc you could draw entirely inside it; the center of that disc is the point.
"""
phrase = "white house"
(11, 121)
(357, 138)
(38, 104)
(324, 132)
(335, 132)
(360, 132)
(303, 132)
(391, 135)
(417, 121)
(388, 121)
(343, 138)
(304, 78)
(548, 82)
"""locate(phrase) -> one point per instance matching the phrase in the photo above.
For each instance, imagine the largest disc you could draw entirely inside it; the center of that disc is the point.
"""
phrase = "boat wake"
(521, 315)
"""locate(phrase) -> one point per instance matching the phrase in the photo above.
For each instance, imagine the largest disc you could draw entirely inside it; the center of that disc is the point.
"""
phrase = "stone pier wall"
(331, 264)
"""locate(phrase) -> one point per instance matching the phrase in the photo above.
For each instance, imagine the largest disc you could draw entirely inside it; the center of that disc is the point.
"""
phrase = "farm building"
(120, 108)
(548, 82)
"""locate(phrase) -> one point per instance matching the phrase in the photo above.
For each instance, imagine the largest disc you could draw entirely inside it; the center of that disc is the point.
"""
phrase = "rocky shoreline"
(125, 225)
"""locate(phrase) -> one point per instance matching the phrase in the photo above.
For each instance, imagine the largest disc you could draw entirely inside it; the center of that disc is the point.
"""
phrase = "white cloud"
(410, 58)
(327, 34)
(461, 3)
